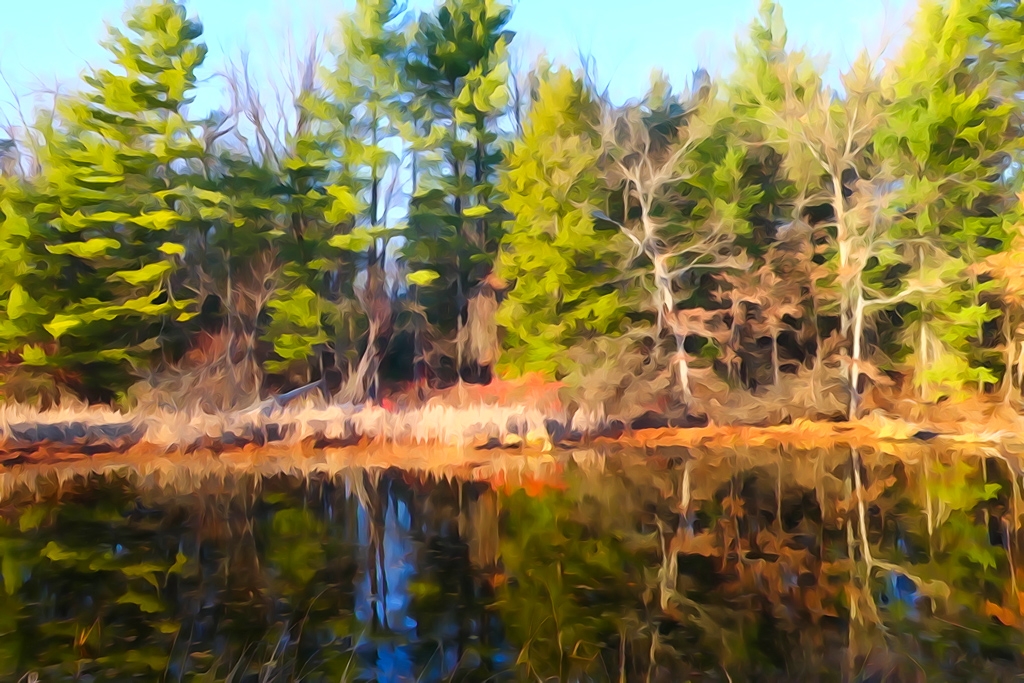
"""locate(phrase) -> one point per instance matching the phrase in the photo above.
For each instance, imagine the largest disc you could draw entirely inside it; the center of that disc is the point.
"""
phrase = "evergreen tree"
(90, 297)
(459, 68)
(950, 133)
(368, 82)
(563, 264)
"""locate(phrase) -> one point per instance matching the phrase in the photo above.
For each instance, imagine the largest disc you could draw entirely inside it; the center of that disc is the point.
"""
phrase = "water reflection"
(746, 564)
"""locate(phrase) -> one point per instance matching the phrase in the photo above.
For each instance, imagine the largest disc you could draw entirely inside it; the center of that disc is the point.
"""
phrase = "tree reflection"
(747, 564)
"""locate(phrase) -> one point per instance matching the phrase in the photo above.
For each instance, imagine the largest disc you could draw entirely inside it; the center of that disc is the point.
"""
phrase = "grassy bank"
(438, 429)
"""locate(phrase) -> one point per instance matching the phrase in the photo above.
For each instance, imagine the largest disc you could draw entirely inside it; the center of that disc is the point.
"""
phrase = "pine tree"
(562, 264)
(368, 82)
(459, 67)
(91, 297)
(951, 134)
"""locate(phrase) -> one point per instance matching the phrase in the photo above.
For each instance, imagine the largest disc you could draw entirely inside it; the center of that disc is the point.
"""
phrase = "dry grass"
(503, 414)
(431, 423)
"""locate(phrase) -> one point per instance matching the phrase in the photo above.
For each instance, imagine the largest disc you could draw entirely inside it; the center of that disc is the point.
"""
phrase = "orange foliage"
(532, 389)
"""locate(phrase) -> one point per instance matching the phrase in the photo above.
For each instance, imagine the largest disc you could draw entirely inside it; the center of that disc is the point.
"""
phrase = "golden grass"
(431, 423)
(423, 449)
(439, 432)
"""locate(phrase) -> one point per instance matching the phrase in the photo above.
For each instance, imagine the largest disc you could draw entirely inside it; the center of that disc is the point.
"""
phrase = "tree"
(950, 127)
(459, 66)
(829, 157)
(91, 296)
(1006, 267)
(287, 198)
(768, 79)
(561, 262)
(680, 177)
(368, 82)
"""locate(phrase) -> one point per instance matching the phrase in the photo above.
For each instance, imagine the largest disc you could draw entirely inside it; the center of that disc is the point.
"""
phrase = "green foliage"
(414, 178)
(458, 69)
(92, 287)
(949, 133)
(562, 264)
(295, 327)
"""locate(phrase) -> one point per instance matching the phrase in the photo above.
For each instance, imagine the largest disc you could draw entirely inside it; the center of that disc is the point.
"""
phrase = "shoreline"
(710, 448)
(106, 443)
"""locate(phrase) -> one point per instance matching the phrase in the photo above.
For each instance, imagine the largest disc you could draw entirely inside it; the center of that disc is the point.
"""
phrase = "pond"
(602, 564)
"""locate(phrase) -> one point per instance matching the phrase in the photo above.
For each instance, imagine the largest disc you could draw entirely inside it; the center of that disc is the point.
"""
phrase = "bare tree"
(871, 222)
(826, 140)
(21, 156)
(650, 167)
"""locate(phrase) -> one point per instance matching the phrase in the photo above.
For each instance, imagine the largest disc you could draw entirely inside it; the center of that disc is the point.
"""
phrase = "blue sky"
(43, 42)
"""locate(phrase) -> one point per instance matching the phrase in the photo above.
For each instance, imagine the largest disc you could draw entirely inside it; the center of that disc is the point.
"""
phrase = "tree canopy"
(416, 210)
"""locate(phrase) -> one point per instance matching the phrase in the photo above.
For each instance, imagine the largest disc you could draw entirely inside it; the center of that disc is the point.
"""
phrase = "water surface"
(603, 565)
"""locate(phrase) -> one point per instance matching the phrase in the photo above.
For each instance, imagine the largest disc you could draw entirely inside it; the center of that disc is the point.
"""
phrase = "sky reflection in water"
(591, 572)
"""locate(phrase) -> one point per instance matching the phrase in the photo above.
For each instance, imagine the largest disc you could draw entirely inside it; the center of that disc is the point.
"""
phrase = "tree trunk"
(358, 382)
(229, 305)
(922, 352)
(684, 368)
(1020, 367)
(922, 360)
(929, 518)
(457, 210)
(858, 333)
(377, 306)
(1008, 353)
(862, 516)
(666, 312)
(775, 356)
(843, 245)
(481, 329)
(418, 374)
(478, 176)
(459, 335)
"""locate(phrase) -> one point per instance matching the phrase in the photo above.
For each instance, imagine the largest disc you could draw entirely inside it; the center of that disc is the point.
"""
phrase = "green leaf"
(476, 211)
(421, 277)
(171, 249)
(158, 220)
(107, 217)
(98, 179)
(61, 324)
(33, 355)
(211, 213)
(56, 553)
(344, 204)
(179, 564)
(357, 240)
(12, 571)
(19, 303)
(97, 246)
(211, 196)
(14, 223)
(149, 273)
(32, 517)
(147, 603)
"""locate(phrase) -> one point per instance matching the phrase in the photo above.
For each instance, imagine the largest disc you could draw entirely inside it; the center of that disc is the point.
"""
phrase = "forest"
(421, 212)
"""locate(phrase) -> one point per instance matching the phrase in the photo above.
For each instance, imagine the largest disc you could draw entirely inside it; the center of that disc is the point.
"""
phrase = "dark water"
(662, 566)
